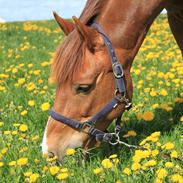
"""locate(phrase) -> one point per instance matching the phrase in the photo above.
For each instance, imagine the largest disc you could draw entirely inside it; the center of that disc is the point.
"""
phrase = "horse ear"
(86, 33)
(65, 25)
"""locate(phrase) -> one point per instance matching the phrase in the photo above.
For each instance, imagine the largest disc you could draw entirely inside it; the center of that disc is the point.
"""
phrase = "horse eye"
(83, 88)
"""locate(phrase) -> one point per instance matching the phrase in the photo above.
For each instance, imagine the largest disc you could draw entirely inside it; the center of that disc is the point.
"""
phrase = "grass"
(26, 51)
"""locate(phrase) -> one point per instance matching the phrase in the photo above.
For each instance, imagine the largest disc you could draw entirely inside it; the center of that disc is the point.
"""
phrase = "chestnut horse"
(82, 65)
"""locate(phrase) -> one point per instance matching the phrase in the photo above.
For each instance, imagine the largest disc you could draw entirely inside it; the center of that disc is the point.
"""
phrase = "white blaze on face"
(44, 142)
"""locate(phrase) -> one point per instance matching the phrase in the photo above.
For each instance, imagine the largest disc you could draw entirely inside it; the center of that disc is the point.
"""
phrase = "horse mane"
(70, 53)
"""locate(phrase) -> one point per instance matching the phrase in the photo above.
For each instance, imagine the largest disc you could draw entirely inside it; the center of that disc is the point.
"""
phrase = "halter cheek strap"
(119, 98)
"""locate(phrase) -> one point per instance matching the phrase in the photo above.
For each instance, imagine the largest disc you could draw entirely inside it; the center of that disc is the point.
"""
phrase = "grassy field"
(156, 120)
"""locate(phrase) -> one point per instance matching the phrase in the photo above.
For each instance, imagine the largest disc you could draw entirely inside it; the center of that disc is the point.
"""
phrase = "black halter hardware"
(119, 97)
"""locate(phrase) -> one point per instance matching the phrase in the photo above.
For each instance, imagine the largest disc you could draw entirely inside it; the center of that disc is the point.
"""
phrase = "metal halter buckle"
(116, 66)
(86, 124)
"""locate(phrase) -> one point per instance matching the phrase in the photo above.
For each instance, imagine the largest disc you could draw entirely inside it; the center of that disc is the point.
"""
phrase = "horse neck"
(127, 22)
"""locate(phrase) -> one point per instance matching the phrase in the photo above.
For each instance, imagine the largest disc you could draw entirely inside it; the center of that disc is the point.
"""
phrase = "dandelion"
(174, 154)
(45, 106)
(155, 152)
(28, 173)
(130, 133)
(54, 170)
(1, 164)
(14, 132)
(12, 163)
(181, 119)
(168, 146)
(97, 171)
(150, 163)
(62, 176)
(163, 92)
(22, 161)
(70, 151)
(1, 123)
(106, 163)
(169, 165)
(21, 81)
(177, 178)
(7, 132)
(135, 166)
(64, 170)
(127, 171)
(23, 128)
(31, 103)
(24, 112)
(34, 177)
(113, 156)
(4, 150)
(35, 138)
(148, 116)
(161, 173)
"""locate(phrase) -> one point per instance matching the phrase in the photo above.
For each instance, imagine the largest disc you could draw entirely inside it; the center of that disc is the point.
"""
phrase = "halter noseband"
(119, 97)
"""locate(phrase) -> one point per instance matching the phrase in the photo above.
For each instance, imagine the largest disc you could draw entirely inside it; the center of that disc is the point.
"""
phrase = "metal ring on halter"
(116, 66)
(114, 139)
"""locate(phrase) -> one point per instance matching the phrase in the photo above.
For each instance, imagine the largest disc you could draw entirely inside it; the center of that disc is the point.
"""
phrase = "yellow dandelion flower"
(12, 163)
(1, 123)
(70, 151)
(35, 138)
(181, 119)
(4, 150)
(127, 171)
(45, 106)
(33, 177)
(135, 166)
(1, 164)
(158, 181)
(62, 176)
(106, 163)
(21, 81)
(163, 92)
(168, 146)
(22, 161)
(130, 133)
(23, 113)
(177, 178)
(150, 163)
(64, 170)
(174, 154)
(113, 156)
(31, 103)
(54, 170)
(28, 173)
(148, 116)
(23, 128)
(155, 152)
(14, 132)
(161, 173)
(7, 132)
(45, 168)
(97, 171)
(169, 165)
(156, 134)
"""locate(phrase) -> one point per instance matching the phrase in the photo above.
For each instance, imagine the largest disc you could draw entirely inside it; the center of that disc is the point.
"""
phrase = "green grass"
(159, 54)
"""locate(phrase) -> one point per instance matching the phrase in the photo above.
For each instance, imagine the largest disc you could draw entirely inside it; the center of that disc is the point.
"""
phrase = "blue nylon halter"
(120, 97)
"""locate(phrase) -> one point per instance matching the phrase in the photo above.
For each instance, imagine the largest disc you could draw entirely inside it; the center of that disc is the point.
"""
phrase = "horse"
(107, 31)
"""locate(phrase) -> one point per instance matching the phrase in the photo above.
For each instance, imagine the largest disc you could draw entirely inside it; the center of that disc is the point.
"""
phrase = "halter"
(119, 97)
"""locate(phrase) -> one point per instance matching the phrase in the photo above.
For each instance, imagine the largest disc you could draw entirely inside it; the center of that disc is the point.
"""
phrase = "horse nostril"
(51, 154)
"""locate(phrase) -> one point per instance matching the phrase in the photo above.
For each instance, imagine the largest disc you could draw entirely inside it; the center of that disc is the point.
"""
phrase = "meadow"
(27, 93)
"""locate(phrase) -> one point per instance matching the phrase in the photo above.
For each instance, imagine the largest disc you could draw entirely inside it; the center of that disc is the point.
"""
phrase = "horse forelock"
(70, 53)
